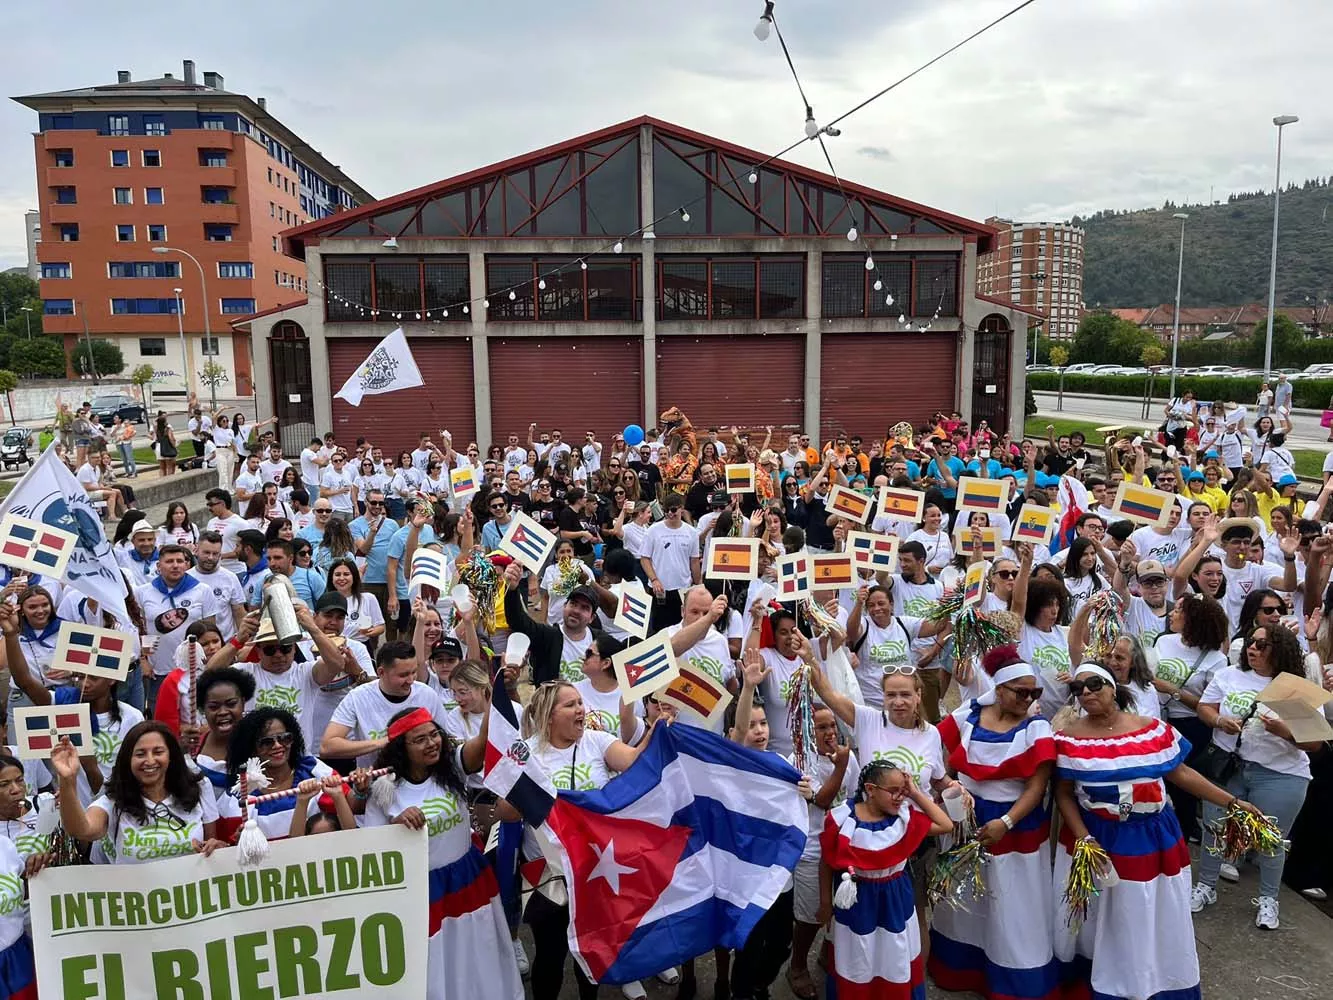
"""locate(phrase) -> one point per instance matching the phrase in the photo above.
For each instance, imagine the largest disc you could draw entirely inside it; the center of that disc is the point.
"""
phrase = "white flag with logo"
(389, 368)
(50, 495)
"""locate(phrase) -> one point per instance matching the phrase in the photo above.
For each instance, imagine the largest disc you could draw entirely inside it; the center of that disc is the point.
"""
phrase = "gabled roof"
(245, 320)
(295, 238)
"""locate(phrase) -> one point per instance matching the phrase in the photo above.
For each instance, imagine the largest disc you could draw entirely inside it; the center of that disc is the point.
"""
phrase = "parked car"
(1216, 371)
(106, 408)
(15, 445)
(1082, 368)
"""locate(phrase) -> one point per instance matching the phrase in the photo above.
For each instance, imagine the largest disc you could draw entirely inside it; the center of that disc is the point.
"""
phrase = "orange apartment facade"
(134, 176)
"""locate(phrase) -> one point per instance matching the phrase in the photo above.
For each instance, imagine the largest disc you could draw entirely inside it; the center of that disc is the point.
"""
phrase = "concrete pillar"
(648, 280)
(261, 373)
(814, 348)
(481, 358)
(319, 353)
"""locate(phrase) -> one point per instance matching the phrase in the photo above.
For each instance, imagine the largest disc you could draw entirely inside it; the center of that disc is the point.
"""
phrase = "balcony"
(226, 212)
(223, 177)
(57, 213)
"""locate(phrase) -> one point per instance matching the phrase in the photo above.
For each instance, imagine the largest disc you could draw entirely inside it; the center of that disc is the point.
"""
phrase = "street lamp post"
(1279, 121)
(1040, 278)
(203, 289)
(27, 319)
(1175, 323)
(180, 329)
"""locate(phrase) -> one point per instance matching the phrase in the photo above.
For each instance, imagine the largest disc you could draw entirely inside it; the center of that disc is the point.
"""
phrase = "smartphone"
(1137, 442)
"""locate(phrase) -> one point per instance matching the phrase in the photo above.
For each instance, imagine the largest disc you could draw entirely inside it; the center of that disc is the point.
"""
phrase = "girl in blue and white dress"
(869, 840)
(1138, 939)
(1001, 945)
(470, 953)
(18, 973)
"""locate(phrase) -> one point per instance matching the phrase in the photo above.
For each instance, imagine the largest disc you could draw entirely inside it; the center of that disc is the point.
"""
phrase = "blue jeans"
(127, 458)
(1277, 795)
(131, 690)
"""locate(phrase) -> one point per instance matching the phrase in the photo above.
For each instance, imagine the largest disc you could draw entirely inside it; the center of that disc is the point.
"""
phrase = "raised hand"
(65, 760)
(752, 668)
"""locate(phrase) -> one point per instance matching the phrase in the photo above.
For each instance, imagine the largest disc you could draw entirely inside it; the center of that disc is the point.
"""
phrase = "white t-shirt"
(710, 655)
(335, 480)
(1049, 653)
(1231, 449)
(167, 615)
(448, 822)
(882, 647)
(1176, 665)
(1240, 584)
(671, 550)
(88, 476)
(939, 548)
(1140, 620)
(226, 592)
(366, 712)
(821, 769)
(363, 612)
(1166, 549)
(635, 534)
(1233, 691)
(310, 468)
(168, 833)
(571, 655)
(293, 690)
(919, 752)
(251, 482)
(776, 688)
(515, 457)
(272, 472)
(229, 527)
(578, 767)
(601, 708)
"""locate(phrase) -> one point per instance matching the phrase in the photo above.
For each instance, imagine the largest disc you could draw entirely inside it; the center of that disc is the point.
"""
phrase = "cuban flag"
(34, 546)
(682, 853)
(431, 571)
(102, 652)
(634, 610)
(528, 542)
(645, 666)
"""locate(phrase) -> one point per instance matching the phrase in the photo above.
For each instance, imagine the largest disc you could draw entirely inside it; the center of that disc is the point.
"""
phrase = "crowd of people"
(1121, 745)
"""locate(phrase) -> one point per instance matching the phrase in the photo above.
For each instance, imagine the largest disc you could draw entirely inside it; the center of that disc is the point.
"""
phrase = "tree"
(1059, 357)
(41, 357)
(1094, 332)
(1151, 355)
(106, 358)
(143, 378)
(213, 375)
(8, 383)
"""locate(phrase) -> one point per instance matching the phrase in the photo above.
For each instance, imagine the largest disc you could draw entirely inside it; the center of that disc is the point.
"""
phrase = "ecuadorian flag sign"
(1034, 524)
(1143, 505)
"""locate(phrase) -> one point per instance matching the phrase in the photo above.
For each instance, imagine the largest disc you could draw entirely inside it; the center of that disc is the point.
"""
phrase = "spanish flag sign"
(832, 571)
(740, 478)
(985, 495)
(732, 559)
(974, 584)
(1034, 525)
(990, 541)
(1143, 505)
(878, 553)
(906, 505)
(849, 504)
(697, 693)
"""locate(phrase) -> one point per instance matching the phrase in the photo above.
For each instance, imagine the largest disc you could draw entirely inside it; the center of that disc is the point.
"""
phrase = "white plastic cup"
(953, 804)
(462, 598)
(147, 642)
(516, 648)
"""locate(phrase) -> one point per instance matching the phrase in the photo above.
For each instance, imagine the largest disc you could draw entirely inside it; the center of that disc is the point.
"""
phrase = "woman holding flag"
(471, 956)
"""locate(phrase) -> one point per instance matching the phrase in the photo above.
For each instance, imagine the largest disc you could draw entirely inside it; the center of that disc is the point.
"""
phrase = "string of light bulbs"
(812, 132)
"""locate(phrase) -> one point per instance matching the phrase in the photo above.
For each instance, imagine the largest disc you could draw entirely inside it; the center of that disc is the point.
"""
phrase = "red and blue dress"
(1138, 940)
(876, 941)
(1000, 946)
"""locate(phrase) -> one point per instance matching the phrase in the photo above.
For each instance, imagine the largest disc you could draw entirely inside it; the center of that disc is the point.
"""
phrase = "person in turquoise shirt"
(945, 459)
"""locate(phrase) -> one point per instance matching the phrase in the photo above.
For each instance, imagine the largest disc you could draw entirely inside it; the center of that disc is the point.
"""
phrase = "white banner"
(50, 495)
(389, 367)
(332, 915)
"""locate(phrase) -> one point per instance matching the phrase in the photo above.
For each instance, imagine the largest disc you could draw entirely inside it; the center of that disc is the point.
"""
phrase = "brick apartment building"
(135, 175)
(1038, 265)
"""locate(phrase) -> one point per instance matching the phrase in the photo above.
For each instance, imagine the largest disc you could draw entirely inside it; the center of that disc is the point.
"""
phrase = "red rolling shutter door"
(393, 420)
(748, 381)
(870, 381)
(577, 384)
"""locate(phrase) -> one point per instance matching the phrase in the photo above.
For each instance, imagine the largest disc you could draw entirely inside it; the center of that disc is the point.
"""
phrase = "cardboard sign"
(985, 495)
(645, 667)
(1300, 704)
(633, 609)
(732, 559)
(1035, 524)
(833, 571)
(974, 584)
(464, 483)
(740, 478)
(37, 731)
(794, 577)
(99, 652)
(1143, 505)
(991, 542)
(849, 504)
(696, 692)
(877, 553)
(528, 542)
(905, 505)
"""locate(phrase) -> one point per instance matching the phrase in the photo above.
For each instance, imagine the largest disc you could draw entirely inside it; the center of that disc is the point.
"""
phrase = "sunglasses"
(1092, 685)
(275, 740)
(1259, 644)
(908, 669)
(1007, 574)
(273, 647)
(1025, 693)
(543, 486)
(323, 510)
(499, 506)
(374, 503)
(1273, 610)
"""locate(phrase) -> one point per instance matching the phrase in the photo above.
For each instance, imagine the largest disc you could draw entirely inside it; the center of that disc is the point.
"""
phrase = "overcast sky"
(1068, 107)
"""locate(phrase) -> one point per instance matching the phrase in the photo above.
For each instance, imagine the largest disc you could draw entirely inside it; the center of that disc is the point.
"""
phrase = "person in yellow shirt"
(1199, 490)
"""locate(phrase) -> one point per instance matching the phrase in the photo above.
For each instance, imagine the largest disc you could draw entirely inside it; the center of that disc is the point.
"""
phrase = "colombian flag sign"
(1143, 505)
(985, 495)
(1034, 524)
(974, 584)
(906, 505)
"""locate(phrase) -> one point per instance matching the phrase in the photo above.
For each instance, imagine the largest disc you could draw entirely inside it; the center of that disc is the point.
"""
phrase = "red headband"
(410, 721)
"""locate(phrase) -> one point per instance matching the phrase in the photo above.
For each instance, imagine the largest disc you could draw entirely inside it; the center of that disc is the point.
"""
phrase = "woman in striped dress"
(470, 954)
(1001, 945)
(875, 937)
(1138, 938)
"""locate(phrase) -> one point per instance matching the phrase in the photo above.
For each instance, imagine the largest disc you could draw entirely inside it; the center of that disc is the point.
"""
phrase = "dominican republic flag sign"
(646, 666)
(683, 852)
(873, 552)
(634, 610)
(28, 545)
(389, 367)
(37, 731)
(85, 649)
(528, 542)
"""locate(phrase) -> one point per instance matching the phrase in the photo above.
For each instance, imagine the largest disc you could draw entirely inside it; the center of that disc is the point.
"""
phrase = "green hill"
(1130, 257)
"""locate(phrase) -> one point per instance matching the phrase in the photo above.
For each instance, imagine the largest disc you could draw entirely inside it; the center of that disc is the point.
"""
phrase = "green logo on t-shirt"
(106, 745)
(1238, 703)
(280, 696)
(571, 670)
(28, 844)
(442, 814)
(905, 759)
(892, 651)
(601, 721)
(1173, 671)
(917, 607)
(11, 894)
(709, 665)
(163, 838)
(577, 778)
(1052, 658)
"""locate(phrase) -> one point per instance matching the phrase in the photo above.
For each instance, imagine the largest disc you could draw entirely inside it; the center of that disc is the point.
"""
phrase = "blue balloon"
(633, 435)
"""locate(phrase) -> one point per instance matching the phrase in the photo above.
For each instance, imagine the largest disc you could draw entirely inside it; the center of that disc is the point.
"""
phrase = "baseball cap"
(718, 499)
(585, 593)
(331, 601)
(447, 646)
(1150, 569)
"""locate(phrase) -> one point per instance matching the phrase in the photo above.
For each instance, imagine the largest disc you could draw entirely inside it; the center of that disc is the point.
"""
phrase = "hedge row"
(1308, 393)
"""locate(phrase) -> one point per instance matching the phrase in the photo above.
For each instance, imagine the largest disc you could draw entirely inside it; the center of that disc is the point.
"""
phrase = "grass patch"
(1036, 427)
(141, 455)
(1309, 463)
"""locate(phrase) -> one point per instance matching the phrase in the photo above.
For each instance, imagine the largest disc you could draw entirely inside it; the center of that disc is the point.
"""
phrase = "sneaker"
(1315, 893)
(633, 991)
(521, 957)
(1267, 917)
(1200, 896)
(1229, 872)
(669, 976)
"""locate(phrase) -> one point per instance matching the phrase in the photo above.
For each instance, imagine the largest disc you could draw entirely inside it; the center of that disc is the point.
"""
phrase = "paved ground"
(1238, 961)
(1306, 431)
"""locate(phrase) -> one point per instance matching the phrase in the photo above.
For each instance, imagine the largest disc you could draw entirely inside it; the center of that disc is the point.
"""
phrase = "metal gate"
(990, 378)
(293, 391)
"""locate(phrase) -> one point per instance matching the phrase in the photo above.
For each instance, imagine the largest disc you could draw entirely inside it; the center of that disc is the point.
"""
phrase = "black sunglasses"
(1026, 694)
(273, 647)
(1270, 609)
(374, 503)
(1259, 644)
(1007, 574)
(1091, 685)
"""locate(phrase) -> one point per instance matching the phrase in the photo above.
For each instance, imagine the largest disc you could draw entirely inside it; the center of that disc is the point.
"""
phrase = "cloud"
(880, 153)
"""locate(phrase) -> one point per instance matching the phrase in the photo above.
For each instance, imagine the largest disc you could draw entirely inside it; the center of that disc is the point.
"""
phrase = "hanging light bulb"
(618, 247)
(583, 265)
(466, 310)
(902, 318)
(419, 315)
(811, 126)
(765, 25)
(684, 215)
(870, 262)
(888, 299)
(541, 283)
(512, 295)
(446, 314)
(852, 234)
(754, 177)
(879, 286)
(485, 303)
